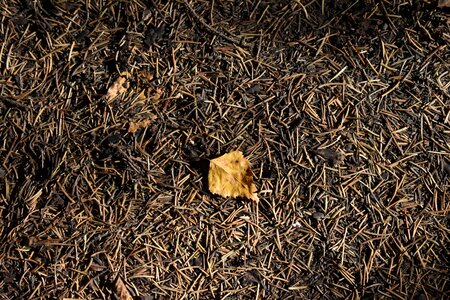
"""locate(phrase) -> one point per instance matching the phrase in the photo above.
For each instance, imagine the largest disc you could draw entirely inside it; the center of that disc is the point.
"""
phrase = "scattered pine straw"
(341, 107)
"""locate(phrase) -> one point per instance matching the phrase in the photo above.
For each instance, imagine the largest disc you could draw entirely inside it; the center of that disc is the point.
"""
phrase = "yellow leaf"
(122, 291)
(230, 176)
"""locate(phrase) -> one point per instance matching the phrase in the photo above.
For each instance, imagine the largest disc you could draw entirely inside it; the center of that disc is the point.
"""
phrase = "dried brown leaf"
(150, 94)
(230, 176)
(446, 167)
(146, 75)
(333, 157)
(133, 126)
(122, 291)
(444, 3)
(155, 94)
(32, 201)
(119, 86)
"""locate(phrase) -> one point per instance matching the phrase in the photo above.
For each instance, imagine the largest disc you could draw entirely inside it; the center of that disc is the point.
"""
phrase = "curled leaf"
(230, 176)
(122, 291)
(33, 200)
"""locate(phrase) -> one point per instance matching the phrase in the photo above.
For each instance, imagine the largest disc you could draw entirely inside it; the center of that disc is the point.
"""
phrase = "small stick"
(14, 103)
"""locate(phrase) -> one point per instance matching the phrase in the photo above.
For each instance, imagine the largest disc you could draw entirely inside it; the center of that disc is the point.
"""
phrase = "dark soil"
(342, 108)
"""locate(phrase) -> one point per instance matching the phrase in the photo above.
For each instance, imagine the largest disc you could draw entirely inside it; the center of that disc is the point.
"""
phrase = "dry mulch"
(342, 107)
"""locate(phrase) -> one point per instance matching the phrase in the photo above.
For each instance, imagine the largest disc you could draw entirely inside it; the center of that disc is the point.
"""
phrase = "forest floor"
(111, 110)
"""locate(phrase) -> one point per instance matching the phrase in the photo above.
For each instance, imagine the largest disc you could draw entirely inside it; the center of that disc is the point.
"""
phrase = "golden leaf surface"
(230, 176)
